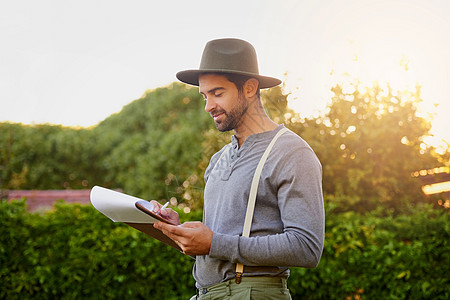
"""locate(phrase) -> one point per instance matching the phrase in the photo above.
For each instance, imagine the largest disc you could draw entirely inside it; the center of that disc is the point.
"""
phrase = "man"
(288, 220)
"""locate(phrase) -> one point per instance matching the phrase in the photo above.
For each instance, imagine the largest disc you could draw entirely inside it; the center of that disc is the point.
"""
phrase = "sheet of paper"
(117, 206)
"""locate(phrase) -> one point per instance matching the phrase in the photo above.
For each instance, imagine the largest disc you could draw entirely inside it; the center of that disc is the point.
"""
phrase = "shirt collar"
(255, 137)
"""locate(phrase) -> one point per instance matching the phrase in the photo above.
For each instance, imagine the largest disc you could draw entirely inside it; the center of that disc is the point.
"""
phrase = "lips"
(216, 114)
(215, 117)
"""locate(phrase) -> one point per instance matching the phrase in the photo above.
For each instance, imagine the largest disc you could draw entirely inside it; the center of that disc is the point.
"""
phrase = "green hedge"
(73, 252)
(381, 256)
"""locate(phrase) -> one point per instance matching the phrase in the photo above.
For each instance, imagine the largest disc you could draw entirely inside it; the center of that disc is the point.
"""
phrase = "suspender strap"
(252, 198)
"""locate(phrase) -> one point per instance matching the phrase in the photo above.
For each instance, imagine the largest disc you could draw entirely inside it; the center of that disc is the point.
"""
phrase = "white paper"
(117, 206)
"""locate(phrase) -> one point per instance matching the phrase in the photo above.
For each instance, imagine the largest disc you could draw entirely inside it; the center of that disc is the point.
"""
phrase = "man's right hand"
(166, 213)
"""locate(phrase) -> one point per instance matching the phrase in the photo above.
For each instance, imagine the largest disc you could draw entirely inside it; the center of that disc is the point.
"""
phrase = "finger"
(156, 206)
(160, 226)
(171, 231)
(166, 212)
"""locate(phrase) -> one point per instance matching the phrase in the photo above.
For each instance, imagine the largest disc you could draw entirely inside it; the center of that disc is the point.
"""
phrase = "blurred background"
(88, 96)
(75, 63)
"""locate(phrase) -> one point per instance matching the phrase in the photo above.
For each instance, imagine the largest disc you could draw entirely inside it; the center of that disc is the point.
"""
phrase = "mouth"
(216, 116)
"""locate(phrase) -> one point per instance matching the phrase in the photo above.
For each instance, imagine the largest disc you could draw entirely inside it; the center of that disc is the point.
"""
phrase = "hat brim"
(191, 77)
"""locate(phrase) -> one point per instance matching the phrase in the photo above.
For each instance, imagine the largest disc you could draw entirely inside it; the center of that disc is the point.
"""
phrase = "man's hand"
(194, 238)
(166, 213)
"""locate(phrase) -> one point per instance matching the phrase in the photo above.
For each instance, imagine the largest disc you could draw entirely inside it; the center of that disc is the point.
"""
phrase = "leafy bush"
(381, 256)
(74, 252)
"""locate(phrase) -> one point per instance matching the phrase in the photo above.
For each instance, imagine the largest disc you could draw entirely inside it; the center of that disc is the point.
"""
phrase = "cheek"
(230, 102)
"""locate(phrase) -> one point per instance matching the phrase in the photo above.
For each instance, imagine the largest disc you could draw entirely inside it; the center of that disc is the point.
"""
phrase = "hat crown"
(229, 55)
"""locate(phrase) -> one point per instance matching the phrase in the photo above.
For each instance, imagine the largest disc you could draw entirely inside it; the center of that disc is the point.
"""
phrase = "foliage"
(47, 157)
(74, 252)
(370, 142)
(381, 256)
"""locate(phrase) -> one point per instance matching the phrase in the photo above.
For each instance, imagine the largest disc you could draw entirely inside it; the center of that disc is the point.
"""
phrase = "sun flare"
(404, 50)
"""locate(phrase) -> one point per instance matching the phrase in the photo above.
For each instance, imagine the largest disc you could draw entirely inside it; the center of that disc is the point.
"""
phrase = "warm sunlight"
(353, 201)
(61, 71)
(403, 50)
(436, 188)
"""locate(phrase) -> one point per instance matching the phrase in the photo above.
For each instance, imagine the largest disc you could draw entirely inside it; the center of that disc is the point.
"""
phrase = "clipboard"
(133, 211)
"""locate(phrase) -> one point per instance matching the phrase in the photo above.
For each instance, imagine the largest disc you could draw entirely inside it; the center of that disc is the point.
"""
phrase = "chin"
(222, 128)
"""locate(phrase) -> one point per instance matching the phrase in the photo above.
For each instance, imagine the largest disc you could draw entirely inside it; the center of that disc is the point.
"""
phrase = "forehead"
(208, 82)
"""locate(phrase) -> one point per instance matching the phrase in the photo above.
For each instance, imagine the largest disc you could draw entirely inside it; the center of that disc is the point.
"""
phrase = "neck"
(254, 121)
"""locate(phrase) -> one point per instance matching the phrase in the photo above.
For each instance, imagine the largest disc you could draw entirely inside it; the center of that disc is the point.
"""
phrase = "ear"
(251, 87)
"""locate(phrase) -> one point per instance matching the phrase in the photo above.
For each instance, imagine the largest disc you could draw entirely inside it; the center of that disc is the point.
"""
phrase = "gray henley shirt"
(289, 220)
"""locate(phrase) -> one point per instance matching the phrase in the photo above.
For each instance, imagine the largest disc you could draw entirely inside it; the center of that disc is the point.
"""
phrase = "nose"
(210, 105)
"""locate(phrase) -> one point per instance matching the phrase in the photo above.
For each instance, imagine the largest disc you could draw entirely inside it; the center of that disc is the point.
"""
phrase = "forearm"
(291, 248)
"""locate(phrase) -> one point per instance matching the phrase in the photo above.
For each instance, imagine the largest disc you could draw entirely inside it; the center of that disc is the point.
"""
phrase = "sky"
(77, 62)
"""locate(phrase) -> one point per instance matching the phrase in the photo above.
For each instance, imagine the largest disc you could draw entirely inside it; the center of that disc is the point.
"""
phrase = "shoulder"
(290, 141)
(292, 149)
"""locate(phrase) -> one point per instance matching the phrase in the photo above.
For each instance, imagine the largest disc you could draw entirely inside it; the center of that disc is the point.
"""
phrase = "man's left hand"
(194, 238)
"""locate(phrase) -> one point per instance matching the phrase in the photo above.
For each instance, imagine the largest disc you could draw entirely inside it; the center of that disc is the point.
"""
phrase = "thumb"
(194, 224)
(159, 225)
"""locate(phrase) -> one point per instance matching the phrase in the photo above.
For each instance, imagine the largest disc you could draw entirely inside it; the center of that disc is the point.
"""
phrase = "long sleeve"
(300, 205)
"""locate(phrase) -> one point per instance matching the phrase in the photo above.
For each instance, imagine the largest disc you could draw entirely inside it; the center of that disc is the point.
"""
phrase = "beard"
(233, 117)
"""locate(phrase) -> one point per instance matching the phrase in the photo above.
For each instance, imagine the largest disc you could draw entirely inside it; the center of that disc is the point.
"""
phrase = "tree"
(47, 157)
(369, 142)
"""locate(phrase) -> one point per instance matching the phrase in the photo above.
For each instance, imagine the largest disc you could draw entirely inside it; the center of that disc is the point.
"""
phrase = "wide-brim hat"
(232, 56)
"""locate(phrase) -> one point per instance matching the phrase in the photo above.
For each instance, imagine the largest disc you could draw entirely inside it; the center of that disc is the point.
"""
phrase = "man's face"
(223, 101)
